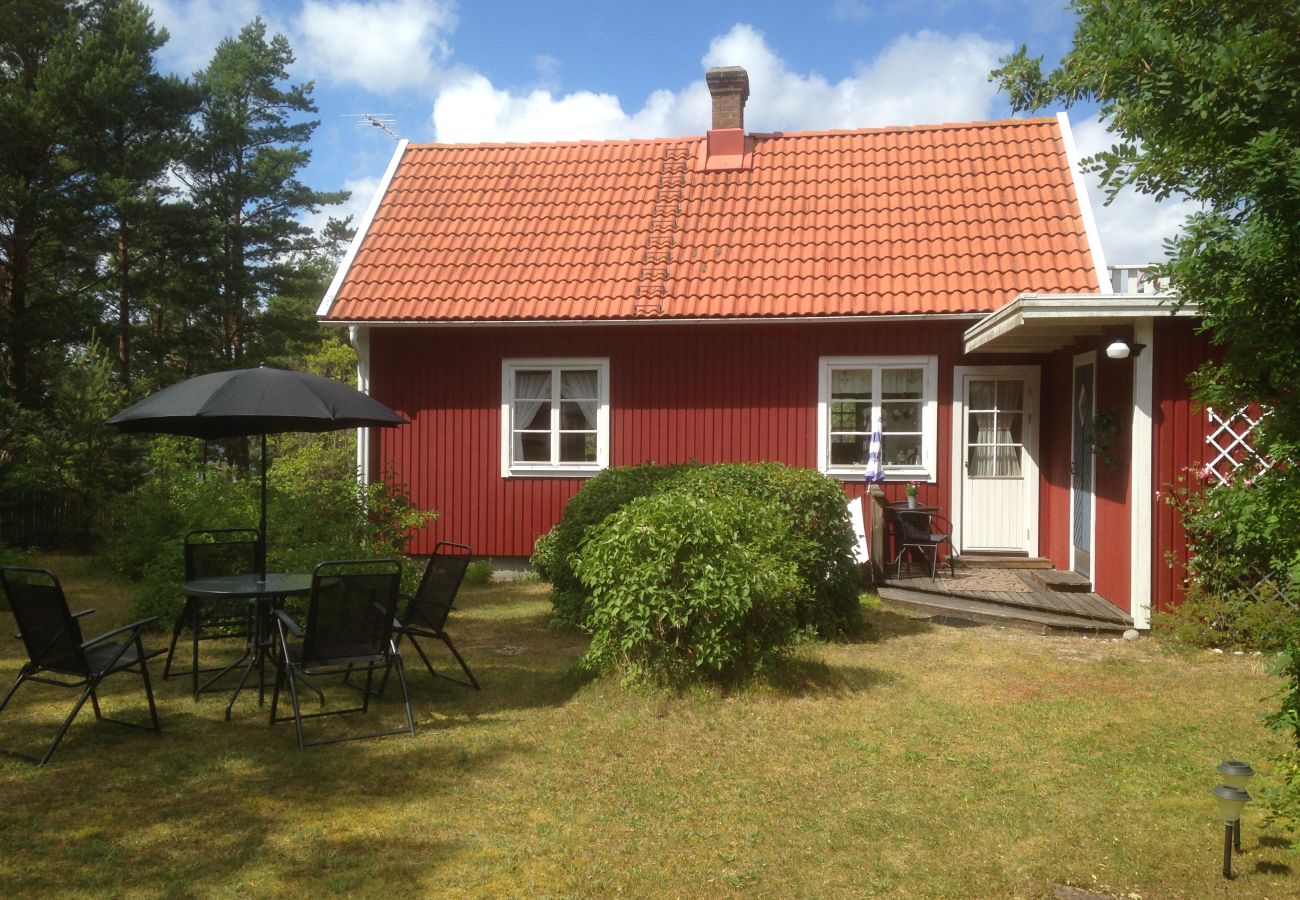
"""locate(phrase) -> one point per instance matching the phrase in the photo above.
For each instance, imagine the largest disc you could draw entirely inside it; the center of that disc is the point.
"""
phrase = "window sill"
(554, 472)
(893, 477)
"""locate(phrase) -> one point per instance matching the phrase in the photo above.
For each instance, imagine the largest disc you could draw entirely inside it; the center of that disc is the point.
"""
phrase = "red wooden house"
(542, 311)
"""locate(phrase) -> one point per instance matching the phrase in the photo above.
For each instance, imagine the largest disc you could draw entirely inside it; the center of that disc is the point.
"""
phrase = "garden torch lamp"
(1231, 800)
(1236, 774)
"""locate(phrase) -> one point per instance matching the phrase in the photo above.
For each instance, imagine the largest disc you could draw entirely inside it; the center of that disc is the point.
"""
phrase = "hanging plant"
(1099, 438)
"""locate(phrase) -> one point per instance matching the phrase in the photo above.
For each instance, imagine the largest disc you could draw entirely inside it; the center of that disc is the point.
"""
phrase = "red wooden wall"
(1181, 426)
(711, 393)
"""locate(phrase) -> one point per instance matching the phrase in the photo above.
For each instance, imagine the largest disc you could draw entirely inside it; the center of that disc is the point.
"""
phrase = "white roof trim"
(1060, 313)
(362, 228)
(1085, 204)
(866, 318)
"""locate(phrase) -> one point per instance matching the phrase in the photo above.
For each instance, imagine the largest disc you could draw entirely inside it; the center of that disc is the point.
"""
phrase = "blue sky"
(482, 70)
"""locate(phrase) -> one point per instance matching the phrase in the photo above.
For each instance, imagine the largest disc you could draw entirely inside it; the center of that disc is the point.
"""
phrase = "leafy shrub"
(806, 506)
(599, 497)
(687, 585)
(1283, 802)
(542, 562)
(817, 539)
(480, 571)
(1230, 619)
(315, 510)
(1239, 534)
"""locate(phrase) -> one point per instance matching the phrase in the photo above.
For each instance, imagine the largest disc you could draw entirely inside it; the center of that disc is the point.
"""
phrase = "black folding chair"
(350, 620)
(212, 553)
(925, 532)
(425, 614)
(55, 647)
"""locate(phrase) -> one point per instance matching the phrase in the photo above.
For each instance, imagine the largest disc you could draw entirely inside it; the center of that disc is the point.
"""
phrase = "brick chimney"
(725, 143)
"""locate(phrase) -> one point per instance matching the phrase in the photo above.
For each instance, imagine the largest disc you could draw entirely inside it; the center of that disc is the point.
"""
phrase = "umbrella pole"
(262, 551)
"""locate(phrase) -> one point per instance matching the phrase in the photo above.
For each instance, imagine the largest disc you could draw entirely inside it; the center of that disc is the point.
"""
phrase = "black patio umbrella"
(258, 401)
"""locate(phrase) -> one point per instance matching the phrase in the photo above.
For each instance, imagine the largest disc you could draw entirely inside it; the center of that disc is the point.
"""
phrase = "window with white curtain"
(554, 416)
(900, 392)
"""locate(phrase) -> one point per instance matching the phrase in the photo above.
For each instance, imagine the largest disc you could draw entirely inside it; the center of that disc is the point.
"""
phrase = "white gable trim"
(362, 228)
(1085, 205)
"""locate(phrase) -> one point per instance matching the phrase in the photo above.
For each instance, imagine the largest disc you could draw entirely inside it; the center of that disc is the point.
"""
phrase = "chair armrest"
(287, 621)
(84, 612)
(136, 627)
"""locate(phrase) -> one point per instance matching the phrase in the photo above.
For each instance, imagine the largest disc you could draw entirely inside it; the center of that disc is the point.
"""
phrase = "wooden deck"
(1007, 596)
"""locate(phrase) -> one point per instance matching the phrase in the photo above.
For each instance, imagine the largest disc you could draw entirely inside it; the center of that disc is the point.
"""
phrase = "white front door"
(998, 425)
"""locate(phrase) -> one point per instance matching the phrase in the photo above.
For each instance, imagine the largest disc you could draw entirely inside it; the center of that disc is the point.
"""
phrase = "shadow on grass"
(1272, 868)
(884, 624)
(814, 678)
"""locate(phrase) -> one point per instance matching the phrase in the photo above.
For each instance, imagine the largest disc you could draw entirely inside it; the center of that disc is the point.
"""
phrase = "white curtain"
(982, 461)
(1008, 454)
(532, 389)
(583, 388)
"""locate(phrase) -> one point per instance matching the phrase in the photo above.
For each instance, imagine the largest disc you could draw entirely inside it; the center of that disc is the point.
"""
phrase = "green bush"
(687, 585)
(808, 507)
(480, 571)
(1229, 619)
(1239, 535)
(315, 510)
(599, 497)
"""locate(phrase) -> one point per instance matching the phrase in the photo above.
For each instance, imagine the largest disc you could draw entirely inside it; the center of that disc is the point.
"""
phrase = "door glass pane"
(1011, 396)
(980, 462)
(981, 395)
(1010, 428)
(901, 449)
(901, 384)
(851, 384)
(980, 429)
(1008, 461)
(848, 450)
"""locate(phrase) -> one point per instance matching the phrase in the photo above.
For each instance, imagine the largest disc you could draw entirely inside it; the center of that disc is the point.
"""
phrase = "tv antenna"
(382, 121)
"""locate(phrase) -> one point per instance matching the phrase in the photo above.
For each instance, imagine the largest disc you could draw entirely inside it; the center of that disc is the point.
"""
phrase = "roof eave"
(1041, 323)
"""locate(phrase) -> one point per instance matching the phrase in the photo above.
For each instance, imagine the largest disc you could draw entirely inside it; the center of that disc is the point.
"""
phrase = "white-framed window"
(554, 416)
(903, 391)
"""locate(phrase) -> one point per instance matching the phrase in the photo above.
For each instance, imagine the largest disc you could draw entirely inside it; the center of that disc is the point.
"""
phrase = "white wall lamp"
(1124, 349)
(1232, 797)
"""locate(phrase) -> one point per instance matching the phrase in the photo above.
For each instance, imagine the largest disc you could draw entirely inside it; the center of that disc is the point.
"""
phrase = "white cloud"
(891, 90)
(384, 47)
(195, 27)
(1134, 226)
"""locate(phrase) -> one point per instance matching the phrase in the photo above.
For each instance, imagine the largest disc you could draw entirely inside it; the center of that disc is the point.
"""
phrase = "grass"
(930, 762)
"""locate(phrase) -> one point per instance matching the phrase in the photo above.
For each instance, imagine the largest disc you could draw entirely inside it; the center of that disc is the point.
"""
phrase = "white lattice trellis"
(1230, 442)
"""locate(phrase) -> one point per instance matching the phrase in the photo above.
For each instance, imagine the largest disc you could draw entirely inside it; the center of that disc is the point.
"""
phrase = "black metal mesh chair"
(925, 532)
(350, 620)
(212, 553)
(425, 614)
(52, 636)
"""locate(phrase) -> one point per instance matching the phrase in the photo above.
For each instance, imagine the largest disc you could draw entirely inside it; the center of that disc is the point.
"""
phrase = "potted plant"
(911, 490)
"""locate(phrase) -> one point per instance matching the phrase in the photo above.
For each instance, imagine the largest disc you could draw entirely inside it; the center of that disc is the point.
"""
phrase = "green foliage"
(1240, 534)
(315, 509)
(1201, 98)
(1227, 619)
(480, 571)
(1283, 800)
(810, 509)
(599, 497)
(687, 586)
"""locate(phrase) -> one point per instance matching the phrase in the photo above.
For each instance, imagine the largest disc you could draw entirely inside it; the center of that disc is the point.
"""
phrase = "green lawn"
(932, 762)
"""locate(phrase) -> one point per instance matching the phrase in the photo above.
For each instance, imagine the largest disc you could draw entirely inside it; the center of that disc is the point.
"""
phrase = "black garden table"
(265, 594)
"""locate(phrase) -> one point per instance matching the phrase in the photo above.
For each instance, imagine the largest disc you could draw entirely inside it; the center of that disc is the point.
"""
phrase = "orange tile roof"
(930, 219)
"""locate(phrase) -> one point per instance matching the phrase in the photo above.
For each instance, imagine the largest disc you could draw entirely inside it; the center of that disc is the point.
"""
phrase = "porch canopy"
(1041, 323)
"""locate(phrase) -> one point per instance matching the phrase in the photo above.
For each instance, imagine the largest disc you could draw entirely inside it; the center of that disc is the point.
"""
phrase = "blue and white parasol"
(875, 473)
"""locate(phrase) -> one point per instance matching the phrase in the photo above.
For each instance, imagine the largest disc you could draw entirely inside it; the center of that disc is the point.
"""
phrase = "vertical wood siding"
(716, 393)
(1180, 450)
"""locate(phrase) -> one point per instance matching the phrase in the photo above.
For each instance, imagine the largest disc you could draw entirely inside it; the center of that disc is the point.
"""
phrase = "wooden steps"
(1056, 580)
(986, 613)
(990, 561)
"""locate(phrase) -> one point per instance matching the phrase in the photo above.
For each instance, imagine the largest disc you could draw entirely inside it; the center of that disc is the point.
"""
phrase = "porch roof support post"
(360, 335)
(1141, 479)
